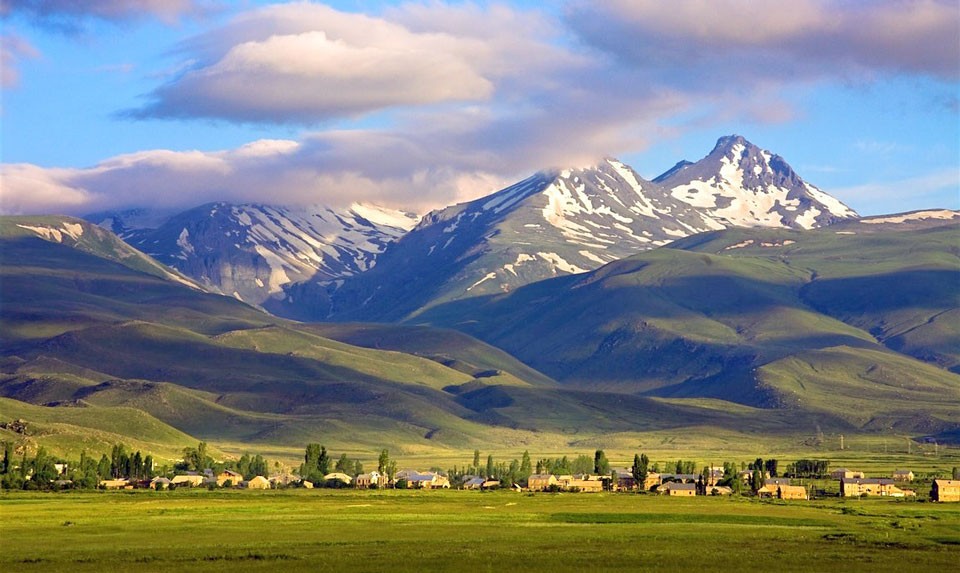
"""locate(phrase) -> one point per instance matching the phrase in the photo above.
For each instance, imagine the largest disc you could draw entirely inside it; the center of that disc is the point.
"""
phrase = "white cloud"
(786, 40)
(13, 48)
(469, 97)
(276, 171)
(308, 63)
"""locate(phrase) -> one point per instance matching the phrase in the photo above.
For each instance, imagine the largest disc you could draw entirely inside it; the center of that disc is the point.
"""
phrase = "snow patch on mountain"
(941, 214)
(559, 263)
(56, 235)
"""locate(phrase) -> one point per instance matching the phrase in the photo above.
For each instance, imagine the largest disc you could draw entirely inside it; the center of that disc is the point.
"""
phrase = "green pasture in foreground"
(468, 531)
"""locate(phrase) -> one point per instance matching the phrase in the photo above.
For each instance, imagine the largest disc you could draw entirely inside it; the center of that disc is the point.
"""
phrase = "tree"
(600, 464)
(136, 466)
(148, 467)
(7, 458)
(956, 472)
(757, 481)
(639, 469)
(582, 465)
(771, 467)
(118, 461)
(103, 467)
(525, 466)
(259, 466)
(357, 468)
(342, 464)
(44, 470)
(197, 459)
(476, 461)
(323, 464)
(391, 470)
(490, 468)
(316, 463)
(383, 461)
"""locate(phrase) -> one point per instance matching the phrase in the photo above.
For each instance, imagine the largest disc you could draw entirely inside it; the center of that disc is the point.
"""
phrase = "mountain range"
(578, 307)
(319, 263)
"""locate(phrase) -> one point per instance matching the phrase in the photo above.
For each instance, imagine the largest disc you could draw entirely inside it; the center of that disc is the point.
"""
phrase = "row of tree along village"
(802, 479)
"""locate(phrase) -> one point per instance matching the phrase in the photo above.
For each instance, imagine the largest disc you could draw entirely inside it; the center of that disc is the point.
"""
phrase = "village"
(850, 483)
(802, 480)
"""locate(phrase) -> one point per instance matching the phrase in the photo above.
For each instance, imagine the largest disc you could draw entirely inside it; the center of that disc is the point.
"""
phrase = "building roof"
(680, 486)
(868, 481)
(793, 489)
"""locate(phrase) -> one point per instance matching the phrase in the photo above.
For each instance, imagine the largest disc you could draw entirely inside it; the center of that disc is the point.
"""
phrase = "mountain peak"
(741, 184)
(728, 141)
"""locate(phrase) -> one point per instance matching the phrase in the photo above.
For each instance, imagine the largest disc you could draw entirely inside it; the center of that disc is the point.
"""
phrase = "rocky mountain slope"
(573, 221)
(253, 251)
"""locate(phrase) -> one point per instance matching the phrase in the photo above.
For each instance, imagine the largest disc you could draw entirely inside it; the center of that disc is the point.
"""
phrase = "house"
(474, 483)
(61, 469)
(716, 474)
(719, 490)
(653, 480)
(769, 488)
(160, 482)
(541, 482)
(855, 487)
(902, 475)
(372, 479)
(490, 484)
(844, 473)
(791, 492)
(945, 490)
(624, 480)
(228, 476)
(258, 482)
(278, 480)
(341, 477)
(121, 483)
(187, 480)
(426, 480)
(678, 489)
(582, 483)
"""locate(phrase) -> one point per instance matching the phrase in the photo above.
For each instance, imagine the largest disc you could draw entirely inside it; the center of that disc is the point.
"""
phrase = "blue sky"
(121, 103)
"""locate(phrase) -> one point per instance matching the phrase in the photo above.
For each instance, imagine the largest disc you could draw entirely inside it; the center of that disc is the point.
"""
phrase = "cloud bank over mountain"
(425, 104)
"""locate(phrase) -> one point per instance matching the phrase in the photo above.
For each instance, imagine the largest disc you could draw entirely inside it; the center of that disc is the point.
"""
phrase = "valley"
(781, 332)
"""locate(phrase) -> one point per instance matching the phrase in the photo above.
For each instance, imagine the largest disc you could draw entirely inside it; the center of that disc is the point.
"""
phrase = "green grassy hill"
(714, 344)
(67, 431)
(88, 331)
(735, 315)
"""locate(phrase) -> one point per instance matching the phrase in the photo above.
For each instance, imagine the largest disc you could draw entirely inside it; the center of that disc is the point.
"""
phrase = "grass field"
(467, 531)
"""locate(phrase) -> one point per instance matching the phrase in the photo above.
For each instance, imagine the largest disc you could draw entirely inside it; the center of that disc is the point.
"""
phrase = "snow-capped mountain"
(253, 251)
(576, 220)
(738, 184)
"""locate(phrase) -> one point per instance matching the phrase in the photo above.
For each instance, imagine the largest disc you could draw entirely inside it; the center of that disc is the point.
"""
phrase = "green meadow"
(318, 530)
